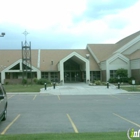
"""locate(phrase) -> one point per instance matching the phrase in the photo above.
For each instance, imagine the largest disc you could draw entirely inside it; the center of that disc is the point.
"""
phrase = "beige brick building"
(96, 61)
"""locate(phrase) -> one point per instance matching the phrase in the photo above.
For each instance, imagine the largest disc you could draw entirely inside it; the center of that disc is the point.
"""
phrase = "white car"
(3, 104)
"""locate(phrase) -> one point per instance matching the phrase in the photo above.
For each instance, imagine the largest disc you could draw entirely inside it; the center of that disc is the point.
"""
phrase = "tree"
(122, 73)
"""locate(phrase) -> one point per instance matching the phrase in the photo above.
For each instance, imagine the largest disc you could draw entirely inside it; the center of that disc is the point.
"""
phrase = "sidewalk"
(82, 89)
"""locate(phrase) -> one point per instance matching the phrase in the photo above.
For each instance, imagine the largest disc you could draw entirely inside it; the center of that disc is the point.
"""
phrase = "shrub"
(35, 80)
(98, 82)
(121, 72)
(113, 80)
(6, 82)
(24, 81)
(42, 81)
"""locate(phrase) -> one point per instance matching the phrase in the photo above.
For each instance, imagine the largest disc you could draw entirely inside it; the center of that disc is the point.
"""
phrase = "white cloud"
(132, 19)
(117, 26)
(40, 14)
(54, 21)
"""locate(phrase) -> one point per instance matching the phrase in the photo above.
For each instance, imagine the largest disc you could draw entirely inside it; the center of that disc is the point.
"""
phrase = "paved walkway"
(82, 89)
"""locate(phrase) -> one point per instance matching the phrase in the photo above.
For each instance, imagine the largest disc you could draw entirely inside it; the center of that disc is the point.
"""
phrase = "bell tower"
(26, 60)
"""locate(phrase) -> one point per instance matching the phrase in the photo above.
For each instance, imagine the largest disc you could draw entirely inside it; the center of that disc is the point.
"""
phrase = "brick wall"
(136, 74)
(103, 74)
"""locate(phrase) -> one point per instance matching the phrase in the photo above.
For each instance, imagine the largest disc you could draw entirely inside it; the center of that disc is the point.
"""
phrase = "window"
(112, 73)
(44, 75)
(71, 65)
(54, 76)
(96, 75)
(1, 93)
(16, 67)
(15, 75)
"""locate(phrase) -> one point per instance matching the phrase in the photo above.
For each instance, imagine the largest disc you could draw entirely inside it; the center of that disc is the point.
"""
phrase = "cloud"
(67, 24)
(40, 14)
(98, 9)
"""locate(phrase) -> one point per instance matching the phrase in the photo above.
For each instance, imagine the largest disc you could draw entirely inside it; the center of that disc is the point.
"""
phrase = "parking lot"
(43, 113)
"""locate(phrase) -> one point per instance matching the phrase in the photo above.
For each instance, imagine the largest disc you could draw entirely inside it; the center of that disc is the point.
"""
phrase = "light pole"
(2, 34)
(118, 82)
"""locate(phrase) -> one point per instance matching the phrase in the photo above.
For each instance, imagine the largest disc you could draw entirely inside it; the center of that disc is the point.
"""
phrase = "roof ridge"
(131, 35)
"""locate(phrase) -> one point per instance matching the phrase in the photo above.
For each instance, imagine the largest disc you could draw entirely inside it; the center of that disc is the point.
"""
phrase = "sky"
(67, 24)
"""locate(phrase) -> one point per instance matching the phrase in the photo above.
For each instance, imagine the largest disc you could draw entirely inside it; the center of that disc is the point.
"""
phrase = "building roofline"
(93, 55)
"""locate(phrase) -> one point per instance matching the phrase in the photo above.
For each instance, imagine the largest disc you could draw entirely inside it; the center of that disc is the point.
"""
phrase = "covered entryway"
(72, 71)
(74, 68)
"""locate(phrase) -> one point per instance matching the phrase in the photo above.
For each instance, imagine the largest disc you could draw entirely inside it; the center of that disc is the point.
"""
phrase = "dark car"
(3, 103)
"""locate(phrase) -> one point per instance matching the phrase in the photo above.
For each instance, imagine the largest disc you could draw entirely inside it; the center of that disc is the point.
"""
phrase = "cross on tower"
(25, 33)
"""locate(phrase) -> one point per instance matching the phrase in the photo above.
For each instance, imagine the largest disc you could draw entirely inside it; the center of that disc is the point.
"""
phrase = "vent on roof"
(87, 56)
(52, 62)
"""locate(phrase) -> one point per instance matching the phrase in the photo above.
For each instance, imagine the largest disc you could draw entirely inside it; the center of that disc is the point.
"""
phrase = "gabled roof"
(41, 59)
(46, 56)
(17, 66)
(135, 55)
(102, 52)
(8, 57)
(127, 39)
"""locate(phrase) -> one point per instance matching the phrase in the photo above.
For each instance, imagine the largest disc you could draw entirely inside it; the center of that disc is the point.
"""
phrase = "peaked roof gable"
(127, 39)
(127, 42)
(18, 64)
(74, 54)
(102, 52)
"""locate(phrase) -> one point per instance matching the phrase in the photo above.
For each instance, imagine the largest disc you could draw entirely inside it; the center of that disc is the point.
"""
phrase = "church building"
(95, 62)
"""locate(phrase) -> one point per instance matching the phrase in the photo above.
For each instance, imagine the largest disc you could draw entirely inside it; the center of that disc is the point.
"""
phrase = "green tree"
(122, 73)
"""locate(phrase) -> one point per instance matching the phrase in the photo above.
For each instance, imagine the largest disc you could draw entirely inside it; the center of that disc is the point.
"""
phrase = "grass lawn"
(131, 88)
(68, 136)
(23, 88)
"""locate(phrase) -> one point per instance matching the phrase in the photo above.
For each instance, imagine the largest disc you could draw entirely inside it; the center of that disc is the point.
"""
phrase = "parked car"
(3, 103)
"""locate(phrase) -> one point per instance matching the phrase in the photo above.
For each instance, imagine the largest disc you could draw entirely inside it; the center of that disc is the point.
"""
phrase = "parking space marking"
(11, 96)
(4, 131)
(58, 97)
(130, 94)
(115, 97)
(126, 120)
(34, 97)
(72, 123)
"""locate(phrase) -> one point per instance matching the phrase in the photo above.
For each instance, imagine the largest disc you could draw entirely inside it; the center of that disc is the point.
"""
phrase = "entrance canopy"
(75, 58)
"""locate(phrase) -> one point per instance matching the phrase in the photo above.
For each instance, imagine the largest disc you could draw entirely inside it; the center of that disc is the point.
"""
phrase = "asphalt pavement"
(99, 109)
(43, 113)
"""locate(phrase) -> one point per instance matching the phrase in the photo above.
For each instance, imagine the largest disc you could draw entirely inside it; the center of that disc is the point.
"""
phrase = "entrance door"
(67, 76)
(72, 72)
(73, 76)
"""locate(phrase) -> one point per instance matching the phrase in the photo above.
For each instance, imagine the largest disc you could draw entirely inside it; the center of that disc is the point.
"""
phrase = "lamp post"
(2, 34)
(118, 82)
